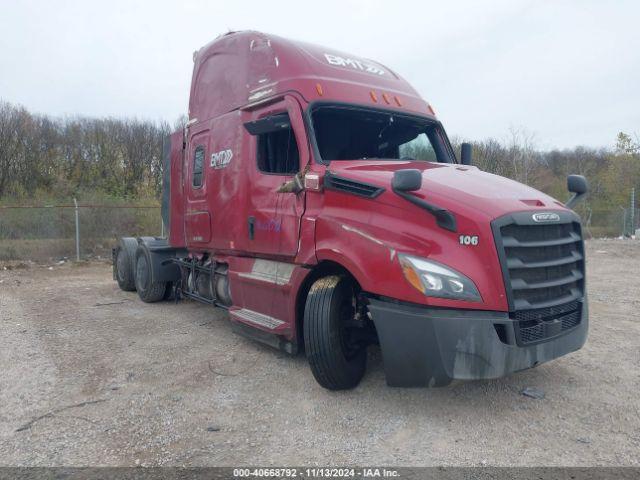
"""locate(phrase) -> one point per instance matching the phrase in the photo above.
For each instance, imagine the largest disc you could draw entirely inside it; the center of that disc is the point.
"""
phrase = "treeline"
(611, 172)
(42, 156)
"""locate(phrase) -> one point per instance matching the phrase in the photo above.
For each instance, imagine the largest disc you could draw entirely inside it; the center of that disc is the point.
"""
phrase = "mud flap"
(160, 254)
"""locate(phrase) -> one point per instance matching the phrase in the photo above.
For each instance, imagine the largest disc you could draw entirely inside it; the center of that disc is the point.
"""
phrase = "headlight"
(435, 280)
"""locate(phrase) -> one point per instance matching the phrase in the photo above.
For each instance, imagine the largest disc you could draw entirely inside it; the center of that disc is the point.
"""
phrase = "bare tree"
(522, 153)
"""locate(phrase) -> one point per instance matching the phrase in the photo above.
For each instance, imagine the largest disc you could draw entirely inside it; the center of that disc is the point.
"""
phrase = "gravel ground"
(89, 375)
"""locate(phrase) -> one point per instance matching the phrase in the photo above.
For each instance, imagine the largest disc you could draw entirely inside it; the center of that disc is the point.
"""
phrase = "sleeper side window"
(198, 163)
(277, 148)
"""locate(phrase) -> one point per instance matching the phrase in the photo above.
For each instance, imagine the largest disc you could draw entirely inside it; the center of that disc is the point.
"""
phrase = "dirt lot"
(89, 375)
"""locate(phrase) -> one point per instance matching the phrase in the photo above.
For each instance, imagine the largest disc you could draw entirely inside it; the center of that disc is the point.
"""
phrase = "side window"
(198, 163)
(278, 150)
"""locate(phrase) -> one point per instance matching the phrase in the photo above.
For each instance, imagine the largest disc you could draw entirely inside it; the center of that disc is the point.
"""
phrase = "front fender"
(370, 252)
(371, 261)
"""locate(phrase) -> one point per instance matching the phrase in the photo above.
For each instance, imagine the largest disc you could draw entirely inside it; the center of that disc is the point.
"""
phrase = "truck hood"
(449, 185)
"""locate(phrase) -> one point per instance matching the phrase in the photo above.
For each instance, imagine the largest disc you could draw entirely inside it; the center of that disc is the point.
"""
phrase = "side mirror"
(407, 180)
(577, 185)
(466, 153)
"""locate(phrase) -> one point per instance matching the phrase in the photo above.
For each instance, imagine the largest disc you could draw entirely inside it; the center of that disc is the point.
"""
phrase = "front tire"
(148, 291)
(336, 360)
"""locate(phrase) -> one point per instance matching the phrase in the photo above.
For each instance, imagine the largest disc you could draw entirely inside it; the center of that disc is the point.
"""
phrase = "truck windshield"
(354, 133)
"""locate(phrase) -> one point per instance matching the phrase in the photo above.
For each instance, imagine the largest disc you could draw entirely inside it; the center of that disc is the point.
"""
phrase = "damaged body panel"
(431, 347)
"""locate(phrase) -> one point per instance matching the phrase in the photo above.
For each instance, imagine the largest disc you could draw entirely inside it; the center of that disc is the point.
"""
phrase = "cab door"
(197, 221)
(279, 150)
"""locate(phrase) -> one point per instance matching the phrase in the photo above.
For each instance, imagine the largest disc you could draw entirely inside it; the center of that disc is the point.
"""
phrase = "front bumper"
(424, 346)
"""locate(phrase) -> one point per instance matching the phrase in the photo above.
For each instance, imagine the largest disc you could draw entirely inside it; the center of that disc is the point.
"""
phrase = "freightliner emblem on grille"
(545, 217)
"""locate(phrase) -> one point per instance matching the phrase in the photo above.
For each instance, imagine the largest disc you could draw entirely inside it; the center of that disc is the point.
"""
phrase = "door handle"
(252, 222)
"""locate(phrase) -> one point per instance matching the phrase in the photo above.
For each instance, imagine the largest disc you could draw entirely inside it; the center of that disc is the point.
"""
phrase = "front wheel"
(336, 357)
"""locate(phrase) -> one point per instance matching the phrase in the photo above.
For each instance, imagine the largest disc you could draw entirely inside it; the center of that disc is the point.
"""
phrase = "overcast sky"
(567, 71)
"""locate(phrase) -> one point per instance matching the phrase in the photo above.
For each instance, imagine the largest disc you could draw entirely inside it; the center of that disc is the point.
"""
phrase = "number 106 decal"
(469, 240)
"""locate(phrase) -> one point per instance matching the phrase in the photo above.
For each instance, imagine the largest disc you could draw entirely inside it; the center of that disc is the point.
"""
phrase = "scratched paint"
(392, 252)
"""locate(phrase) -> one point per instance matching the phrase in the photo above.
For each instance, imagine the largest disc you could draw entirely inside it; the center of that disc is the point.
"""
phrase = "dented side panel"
(264, 294)
(366, 236)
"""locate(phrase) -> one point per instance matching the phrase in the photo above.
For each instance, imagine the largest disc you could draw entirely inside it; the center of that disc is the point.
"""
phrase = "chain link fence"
(614, 222)
(45, 233)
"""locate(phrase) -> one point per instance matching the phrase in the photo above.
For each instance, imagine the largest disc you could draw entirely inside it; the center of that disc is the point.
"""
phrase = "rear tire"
(336, 363)
(124, 265)
(148, 291)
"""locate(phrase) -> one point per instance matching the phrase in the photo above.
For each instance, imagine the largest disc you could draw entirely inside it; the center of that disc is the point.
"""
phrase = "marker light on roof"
(386, 98)
(398, 102)
(373, 95)
(431, 110)
(319, 89)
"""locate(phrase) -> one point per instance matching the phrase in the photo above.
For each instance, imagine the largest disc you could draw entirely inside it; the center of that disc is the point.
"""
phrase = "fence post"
(77, 231)
(633, 211)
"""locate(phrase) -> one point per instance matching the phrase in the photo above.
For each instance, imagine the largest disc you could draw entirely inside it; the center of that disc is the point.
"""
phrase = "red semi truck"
(315, 196)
